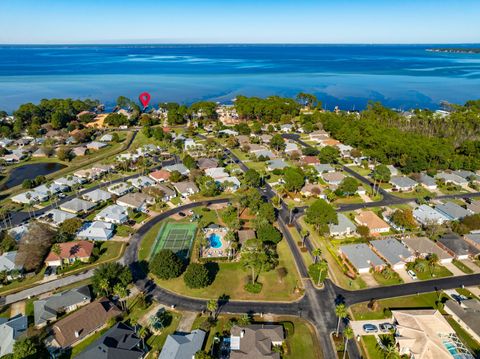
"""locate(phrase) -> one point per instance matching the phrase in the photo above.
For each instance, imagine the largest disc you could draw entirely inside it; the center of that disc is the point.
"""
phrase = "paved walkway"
(453, 268)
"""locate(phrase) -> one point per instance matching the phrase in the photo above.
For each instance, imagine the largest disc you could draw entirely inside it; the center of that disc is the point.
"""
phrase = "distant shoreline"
(457, 50)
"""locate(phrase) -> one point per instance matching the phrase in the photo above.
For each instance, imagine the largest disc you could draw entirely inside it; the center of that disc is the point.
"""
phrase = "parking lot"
(357, 326)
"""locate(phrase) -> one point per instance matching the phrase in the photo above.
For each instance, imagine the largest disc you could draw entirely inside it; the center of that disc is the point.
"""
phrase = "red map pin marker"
(144, 98)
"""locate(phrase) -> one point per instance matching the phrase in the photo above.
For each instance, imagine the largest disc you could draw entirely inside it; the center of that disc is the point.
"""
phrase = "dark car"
(370, 328)
(181, 214)
(48, 271)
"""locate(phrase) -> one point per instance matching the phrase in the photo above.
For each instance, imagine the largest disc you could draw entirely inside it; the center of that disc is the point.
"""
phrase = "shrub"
(166, 265)
(197, 276)
(254, 288)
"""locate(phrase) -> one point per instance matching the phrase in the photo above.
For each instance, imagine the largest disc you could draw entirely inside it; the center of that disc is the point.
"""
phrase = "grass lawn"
(241, 155)
(348, 200)
(361, 311)
(258, 166)
(370, 348)
(124, 230)
(307, 258)
(19, 285)
(139, 217)
(462, 267)
(231, 277)
(156, 341)
(395, 279)
(419, 192)
(360, 170)
(438, 272)
(176, 201)
(335, 266)
(148, 241)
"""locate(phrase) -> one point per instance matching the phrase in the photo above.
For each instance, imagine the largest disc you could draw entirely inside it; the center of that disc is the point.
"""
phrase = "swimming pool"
(215, 240)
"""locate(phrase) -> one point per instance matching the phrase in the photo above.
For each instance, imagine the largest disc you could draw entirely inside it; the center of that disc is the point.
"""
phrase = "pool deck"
(221, 251)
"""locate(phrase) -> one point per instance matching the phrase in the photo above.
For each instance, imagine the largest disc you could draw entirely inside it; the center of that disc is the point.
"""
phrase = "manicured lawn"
(419, 192)
(466, 339)
(395, 279)
(462, 267)
(148, 241)
(241, 155)
(258, 166)
(124, 230)
(348, 200)
(139, 217)
(156, 341)
(438, 272)
(361, 311)
(370, 348)
(360, 170)
(231, 277)
(19, 285)
(176, 201)
(307, 258)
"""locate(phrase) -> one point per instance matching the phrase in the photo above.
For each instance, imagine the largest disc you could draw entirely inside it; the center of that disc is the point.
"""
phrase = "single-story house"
(69, 253)
(473, 239)
(393, 252)
(333, 178)
(160, 175)
(29, 197)
(47, 310)
(427, 181)
(474, 207)
(290, 147)
(276, 164)
(183, 345)
(49, 189)
(113, 214)
(318, 135)
(120, 342)
(345, 226)
(10, 331)
(468, 175)
(205, 163)
(310, 189)
(96, 145)
(136, 200)
(79, 151)
(56, 217)
(179, 167)
(8, 264)
(142, 181)
(310, 160)
(228, 132)
(287, 127)
(77, 205)
(69, 181)
(216, 172)
(265, 138)
(168, 193)
(256, 341)
(106, 137)
(85, 321)
(427, 215)
(452, 178)
(361, 257)
(375, 224)
(119, 189)
(231, 183)
(186, 188)
(452, 211)
(457, 247)
(96, 231)
(403, 183)
(96, 196)
(467, 314)
(263, 153)
(423, 247)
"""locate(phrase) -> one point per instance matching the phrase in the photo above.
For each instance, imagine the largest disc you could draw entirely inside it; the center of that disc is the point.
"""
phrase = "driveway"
(404, 275)
(470, 264)
(357, 326)
(453, 268)
(369, 279)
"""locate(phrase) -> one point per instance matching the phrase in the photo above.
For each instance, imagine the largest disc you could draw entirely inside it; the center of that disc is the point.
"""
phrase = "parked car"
(386, 327)
(370, 328)
(181, 214)
(412, 274)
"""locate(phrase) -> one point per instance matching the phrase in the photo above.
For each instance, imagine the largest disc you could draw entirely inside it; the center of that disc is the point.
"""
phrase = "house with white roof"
(216, 172)
(427, 215)
(56, 217)
(113, 214)
(119, 189)
(403, 183)
(96, 231)
(344, 227)
(77, 205)
(97, 196)
(142, 181)
(69, 181)
(29, 197)
(180, 167)
(106, 137)
(96, 145)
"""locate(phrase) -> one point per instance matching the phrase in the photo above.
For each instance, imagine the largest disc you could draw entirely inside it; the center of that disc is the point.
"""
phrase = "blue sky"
(240, 21)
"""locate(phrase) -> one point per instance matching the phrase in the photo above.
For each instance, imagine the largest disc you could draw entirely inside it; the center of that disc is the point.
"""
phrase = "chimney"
(77, 334)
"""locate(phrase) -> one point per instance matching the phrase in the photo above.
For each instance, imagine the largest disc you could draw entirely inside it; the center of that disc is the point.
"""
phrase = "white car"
(412, 274)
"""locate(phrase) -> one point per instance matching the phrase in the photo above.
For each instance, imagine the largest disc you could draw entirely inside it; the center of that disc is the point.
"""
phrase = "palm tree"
(341, 312)
(291, 207)
(317, 252)
(244, 320)
(432, 262)
(420, 266)
(212, 307)
(120, 291)
(388, 347)
(347, 334)
(104, 286)
(322, 267)
(304, 233)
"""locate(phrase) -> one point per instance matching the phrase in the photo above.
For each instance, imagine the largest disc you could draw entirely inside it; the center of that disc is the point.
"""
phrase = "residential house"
(424, 334)
(423, 247)
(120, 342)
(8, 264)
(263, 153)
(228, 132)
(452, 178)
(69, 181)
(256, 341)
(77, 205)
(160, 175)
(468, 175)
(205, 163)
(186, 188)
(393, 252)
(310, 160)
(265, 138)
(137, 201)
(113, 214)
(457, 247)
(216, 172)
(11, 330)
(427, 181)
(69, 253)
(119, 189)
(230, 183)
(29, 197)
(402, 183)
(106, 138)
(318, 136)
(333, 178)
(474, 207)
(40, 152)
(375, 224)
(142, 181)
(473, 239)
(96, 231)
(291, 147)
(79, 151)
(95, 145)
(183, 345)
(56, 217)
(310, 189)
(168, 193)
(50, 189)
(361, 257)
(344, 227)
(287, 127)
(427, 215)
(83, 322)
(276, 164)
(180, 167)
(46, 311)
(97, 196)
(324, 168)
(452, 211)
(467, 314)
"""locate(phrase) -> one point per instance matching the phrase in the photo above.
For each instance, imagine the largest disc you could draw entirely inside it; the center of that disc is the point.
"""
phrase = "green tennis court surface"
(177, 237)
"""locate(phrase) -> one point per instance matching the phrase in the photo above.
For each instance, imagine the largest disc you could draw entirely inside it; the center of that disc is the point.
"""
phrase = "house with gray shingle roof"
(427, 215)
(452, 178)
(403, 183)
(56, 217)
(345, 226)
(452, 211)
(96, 196)
(324, 168)
(180, 167)
(361, 257)
(10, 331)
(427, 181)
(276, 164)
(393, 252)
(183, 346)
(77, 205)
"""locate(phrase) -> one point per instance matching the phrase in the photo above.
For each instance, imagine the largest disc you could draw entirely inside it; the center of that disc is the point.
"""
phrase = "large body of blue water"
(348, 76)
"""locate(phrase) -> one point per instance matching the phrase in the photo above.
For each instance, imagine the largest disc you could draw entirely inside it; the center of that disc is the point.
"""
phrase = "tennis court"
(177, 237)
